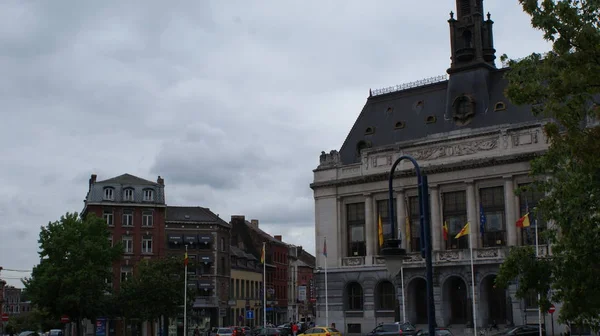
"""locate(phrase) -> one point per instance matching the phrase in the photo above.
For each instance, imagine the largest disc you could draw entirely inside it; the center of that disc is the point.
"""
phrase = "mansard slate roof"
(128, 179)
(192, 215)
(414, 105)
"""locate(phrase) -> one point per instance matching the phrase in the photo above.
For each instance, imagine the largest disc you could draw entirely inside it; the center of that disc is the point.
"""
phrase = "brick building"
(276, 258)
(134, 209)
(207, 238)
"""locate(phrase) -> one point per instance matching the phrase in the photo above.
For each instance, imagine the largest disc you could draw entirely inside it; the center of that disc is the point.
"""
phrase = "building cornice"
(130, 204)
(435, 169)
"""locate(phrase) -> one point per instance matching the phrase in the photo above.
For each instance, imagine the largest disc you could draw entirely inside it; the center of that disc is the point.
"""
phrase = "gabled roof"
(128, 179)
(192, 214)
(264, 234)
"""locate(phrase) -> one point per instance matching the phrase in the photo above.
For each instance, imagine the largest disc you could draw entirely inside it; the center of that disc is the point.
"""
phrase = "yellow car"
(322, 331)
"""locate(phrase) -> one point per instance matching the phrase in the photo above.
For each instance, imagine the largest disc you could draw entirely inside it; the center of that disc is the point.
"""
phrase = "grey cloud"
(230, 101)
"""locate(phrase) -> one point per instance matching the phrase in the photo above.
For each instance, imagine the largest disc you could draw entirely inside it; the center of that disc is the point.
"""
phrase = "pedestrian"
(295, 328)
(333, 325)
(196, 331)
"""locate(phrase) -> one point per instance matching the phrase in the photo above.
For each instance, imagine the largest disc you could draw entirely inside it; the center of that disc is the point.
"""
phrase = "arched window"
(354, 293)
(386, 296)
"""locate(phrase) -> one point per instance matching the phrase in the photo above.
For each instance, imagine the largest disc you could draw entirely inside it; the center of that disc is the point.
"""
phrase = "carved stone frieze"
(353, 261)
(350, 170)
(414, 258)
(448, 255)
(487, 253)
(525, 138)
(379, 260)
(381, 160)
(460, 149)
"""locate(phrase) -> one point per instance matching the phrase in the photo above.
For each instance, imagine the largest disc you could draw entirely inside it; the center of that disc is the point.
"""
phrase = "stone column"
(401, 217)
(472, 213)
(509, 211)
(436, 218)
(369, 216)
(342, 230)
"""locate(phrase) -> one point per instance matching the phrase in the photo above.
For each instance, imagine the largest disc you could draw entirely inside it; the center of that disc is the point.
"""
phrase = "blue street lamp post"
(425, 234)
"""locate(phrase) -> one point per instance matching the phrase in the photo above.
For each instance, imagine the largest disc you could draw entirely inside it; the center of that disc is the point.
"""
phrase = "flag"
(445, 231)
(524, 221)
(464, 231)
(185, 259)
(325, 247)
(262, 255)
(380, 232)
(482, 220)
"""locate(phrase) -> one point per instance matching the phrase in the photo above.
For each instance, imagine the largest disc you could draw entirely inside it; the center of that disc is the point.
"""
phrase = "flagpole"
(264, 256)
(471, 238)
(185, 276)
(326, 296)
(402, 286)
(537, 255)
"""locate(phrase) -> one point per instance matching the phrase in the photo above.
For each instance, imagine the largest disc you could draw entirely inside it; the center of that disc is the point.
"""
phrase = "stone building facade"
(207, 238)
(475, 147)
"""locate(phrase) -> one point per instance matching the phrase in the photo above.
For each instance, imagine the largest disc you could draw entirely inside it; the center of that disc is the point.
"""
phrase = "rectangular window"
(128, 195)
(108, 217)
(127, 218)
(147, 245)
(147, 219)
(110, 241)
(222, 244)
(109, 194)
(355, 220)
(528, 201)
(455, 218)
(126, 272)
(109, 279)
(127, 244)
(383, 211)
(192, 264)
(148, 195)
(492, 201)
(414, 215)
(531, 301)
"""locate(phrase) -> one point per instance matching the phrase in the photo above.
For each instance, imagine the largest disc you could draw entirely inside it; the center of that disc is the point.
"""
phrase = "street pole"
(425, 228)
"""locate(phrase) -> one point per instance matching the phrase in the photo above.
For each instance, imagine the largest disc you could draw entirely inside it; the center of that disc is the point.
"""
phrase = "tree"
(155, 290)
(564, 86)
(76, 259)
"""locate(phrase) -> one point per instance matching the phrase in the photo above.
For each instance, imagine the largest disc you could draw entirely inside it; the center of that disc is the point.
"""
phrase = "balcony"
(353, 261)
(205, 302)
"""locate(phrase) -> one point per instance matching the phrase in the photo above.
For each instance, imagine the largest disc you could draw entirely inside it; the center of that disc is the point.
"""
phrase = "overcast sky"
(230, 101)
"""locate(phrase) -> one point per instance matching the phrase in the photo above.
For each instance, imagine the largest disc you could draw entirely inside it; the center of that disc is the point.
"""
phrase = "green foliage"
(156, 289)
(531, 273)
(75, 260)
(564, 86)
(35, 320)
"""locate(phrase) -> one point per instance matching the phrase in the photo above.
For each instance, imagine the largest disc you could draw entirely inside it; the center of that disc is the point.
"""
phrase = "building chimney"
(238, 218)
(160, 181)
(278, 237)
(254, 222)
(92, 180)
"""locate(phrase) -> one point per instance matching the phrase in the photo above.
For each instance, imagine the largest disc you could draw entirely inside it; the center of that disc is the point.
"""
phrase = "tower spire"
(471, 37)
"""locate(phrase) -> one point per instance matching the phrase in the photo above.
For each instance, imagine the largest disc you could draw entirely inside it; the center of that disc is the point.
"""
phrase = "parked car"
(389, 329)
(522, 330)
(225, 332)
(438, 332)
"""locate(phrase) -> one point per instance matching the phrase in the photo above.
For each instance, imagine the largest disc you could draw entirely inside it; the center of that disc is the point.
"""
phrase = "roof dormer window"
(109, 194)
(128, 194)
(148, 195)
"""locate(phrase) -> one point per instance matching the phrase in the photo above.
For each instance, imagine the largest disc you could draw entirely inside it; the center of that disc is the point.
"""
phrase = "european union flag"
(482, 220)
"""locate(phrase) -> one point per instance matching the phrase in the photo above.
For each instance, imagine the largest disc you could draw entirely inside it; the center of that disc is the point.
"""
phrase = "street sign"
(64, 319)
(249, 315)
(552, 309)
(4, 317)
